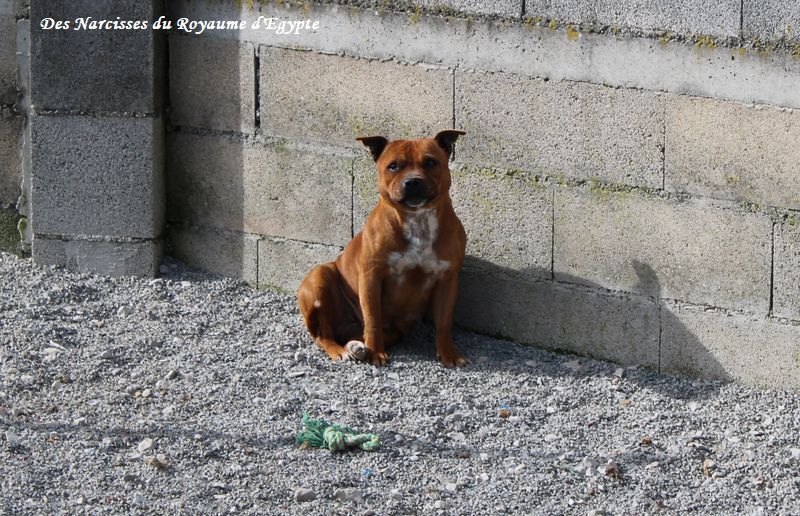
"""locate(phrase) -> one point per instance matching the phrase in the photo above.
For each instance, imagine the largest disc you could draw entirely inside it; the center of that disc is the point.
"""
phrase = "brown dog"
(405, 261)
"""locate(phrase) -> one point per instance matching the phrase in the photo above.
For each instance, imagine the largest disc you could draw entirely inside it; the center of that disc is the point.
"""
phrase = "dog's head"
(413, 174)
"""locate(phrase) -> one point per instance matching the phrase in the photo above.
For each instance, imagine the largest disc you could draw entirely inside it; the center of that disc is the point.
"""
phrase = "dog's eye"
(430, 163)
(393, 167)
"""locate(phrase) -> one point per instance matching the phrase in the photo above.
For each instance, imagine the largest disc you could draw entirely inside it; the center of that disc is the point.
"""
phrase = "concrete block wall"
(97, 139)
(628, 180)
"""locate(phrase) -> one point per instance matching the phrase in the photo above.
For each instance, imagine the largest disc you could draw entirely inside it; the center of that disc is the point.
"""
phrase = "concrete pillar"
(97, 139)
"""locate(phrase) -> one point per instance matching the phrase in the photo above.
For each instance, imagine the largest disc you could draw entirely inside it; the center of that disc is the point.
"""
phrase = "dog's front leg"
(444, 305)
(369, 288)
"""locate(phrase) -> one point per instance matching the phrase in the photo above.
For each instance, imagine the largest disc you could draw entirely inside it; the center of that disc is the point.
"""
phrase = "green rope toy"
(321, 434)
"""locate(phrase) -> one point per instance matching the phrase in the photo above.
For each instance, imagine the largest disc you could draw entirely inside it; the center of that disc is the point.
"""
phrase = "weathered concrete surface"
(228, 253)
(113, 168)
(17, 8)
(9, 236)
(8, 60)
(212, 83)
(508, 8)
(621, 328)
(365, 190)
(277, 190)
(283, 264)
(567, 129)
(771, 19)
(712, 344)
(414, 8)
(10, 157)
(715, 17)
(559, 54)
(335, 99)
(508, 219)
(786, 288)
(95, 70)
(726, 150)
(692, 251)
(23, 205)
(108, 258)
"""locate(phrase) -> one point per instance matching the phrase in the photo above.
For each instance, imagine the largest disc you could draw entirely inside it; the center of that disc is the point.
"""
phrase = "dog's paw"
(379, 359)
(343, 356)
(357, 350)
(452, 360)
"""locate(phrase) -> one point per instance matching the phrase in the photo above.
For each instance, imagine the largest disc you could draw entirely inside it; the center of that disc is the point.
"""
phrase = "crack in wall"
(553, 234)
(454, 104)
(257, 85)
(660, 332)
(772, 271)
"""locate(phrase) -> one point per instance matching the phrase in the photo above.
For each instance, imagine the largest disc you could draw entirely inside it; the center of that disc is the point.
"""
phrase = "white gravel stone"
(11, 437)
(145, 444)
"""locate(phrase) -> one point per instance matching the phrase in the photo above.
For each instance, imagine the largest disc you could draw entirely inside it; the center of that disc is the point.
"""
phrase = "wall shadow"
(573, 316)
(212, 123)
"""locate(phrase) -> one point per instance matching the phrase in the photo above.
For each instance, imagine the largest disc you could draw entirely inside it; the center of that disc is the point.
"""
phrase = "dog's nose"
(414, 186)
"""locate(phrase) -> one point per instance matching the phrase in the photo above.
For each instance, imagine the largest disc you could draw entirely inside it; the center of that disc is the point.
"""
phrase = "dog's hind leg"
(325, 309)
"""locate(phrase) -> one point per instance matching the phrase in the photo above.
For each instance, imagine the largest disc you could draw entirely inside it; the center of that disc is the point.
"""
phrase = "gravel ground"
(185, 393)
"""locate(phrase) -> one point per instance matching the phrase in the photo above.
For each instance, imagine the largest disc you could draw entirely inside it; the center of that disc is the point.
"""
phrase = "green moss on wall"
(9, 234)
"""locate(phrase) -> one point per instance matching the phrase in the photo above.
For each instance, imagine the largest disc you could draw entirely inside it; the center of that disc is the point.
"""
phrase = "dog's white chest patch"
(420, 230)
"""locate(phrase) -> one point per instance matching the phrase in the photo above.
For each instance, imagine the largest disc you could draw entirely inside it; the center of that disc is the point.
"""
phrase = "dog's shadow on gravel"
(578, 317)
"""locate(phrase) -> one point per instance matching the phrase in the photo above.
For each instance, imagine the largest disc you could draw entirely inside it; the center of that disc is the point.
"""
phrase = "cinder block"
(713, 344)
(615, 327)
(95, 70)
(771, 19)
(715, 17)
(576, 130)
(235, 254)
(283, 264)
(10, 158)
(508, 218)
(786, 293)
(107, 258)
(8, 60)
(692, 251)
(335, 99)
(730, 151)
(276, 190)
(212, 83)
(97, 176)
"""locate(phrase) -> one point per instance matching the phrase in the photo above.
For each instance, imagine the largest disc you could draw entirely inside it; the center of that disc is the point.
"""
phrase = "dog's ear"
(376, 144)
(446, 139)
